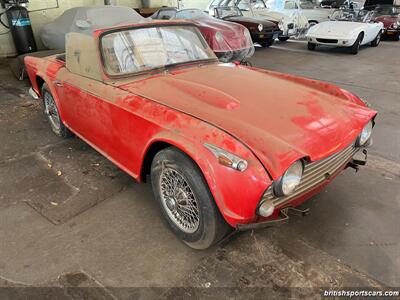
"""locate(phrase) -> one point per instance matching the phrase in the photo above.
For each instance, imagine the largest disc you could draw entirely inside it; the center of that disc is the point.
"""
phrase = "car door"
(84, 109)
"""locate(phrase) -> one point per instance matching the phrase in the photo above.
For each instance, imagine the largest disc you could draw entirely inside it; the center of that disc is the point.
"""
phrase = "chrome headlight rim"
(227, 158)
(219, 37)
(260, 27)
(294, 174)
(365, 135)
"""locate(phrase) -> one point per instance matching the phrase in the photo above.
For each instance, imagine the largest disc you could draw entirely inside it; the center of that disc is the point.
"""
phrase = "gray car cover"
(84, 20)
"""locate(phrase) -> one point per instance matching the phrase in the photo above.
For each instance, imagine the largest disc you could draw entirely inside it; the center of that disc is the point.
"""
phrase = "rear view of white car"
(346, 29)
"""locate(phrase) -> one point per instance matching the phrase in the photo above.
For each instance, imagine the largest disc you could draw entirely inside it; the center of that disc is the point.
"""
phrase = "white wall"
(201, 4)
(39, 18)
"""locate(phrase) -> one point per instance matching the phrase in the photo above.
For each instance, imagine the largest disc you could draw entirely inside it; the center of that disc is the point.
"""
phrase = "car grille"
(327, 41)
(315, 173)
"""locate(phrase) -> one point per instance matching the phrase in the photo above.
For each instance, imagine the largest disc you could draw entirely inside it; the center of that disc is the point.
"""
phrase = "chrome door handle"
(58, 83)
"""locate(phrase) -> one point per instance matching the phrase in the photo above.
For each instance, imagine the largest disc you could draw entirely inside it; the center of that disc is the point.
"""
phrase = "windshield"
(387, 10)
(227, 11)
(351, 16)
(191, 14)
(343, 15)
(307, 4)
(143, 49)
(246, 5)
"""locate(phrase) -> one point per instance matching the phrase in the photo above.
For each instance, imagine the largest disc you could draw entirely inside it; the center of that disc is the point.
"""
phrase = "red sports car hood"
(234, 36)
(387, 20)
(281, 118)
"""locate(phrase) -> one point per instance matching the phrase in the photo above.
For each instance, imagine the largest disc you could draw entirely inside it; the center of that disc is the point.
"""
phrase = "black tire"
(312, 23)
(267, 43)
(210, 227)
(356, 46)
(377, 40)
(283, 38)
(311, 46)
(57, 126)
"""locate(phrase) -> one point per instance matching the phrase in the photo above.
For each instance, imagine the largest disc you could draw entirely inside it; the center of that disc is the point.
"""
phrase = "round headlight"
(260, 27)
(290, 180)
(219, 37)
(395, 25)
(365, 135)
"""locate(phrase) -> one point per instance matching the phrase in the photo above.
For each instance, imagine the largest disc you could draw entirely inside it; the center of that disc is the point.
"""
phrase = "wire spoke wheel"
(51, 112)
(178, 199)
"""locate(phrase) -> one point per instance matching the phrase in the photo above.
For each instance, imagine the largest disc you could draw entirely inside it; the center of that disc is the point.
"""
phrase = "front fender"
(236, 194)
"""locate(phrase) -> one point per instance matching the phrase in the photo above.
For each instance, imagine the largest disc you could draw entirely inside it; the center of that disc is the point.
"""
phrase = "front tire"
(185, 199)
(356, 46)
(267, 43)
(283, 38)
(53, 115)
(377, 40)
(311, 46)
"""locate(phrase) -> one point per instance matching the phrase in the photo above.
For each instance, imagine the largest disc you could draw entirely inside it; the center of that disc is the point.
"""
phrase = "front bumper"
(331, 41)
(284, 216)
(234, 55)
(316, 176)
(265, 35)
(391, 32)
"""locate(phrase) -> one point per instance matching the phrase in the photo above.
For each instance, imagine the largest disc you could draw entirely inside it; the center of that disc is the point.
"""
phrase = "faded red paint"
(269, 119)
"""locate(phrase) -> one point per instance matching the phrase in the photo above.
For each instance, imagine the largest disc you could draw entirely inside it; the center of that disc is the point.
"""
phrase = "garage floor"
(69, 218)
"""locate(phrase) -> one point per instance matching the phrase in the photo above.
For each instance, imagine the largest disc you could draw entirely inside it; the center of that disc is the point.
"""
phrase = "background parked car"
(228, 40)
(389, 15)
(314, 13)
(346, 29)
(84, 19)
(258, 9)
(262, 31)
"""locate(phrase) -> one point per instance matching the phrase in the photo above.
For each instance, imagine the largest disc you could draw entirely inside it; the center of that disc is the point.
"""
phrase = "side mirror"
(83, 24)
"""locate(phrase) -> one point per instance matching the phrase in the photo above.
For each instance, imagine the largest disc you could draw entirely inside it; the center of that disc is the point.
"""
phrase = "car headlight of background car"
(365, 135)
(288, 183)
(219, 37)
(260, 27)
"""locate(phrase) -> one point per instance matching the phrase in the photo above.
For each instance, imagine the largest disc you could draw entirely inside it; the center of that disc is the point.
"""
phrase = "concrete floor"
(69, 218)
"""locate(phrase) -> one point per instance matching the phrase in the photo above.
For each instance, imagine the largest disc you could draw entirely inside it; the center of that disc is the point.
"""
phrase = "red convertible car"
(225, 146)
(229, 41)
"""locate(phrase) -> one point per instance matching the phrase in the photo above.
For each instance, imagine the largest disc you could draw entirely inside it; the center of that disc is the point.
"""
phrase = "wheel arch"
(39, 81)
(362, 35)
(201, 161)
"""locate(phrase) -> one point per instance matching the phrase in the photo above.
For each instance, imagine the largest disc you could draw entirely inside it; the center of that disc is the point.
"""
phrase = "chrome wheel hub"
(51, 111)
(179, 200)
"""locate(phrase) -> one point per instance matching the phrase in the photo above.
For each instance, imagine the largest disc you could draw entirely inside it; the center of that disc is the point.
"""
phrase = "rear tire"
(311, 46)
(185, 199)
(267, 43)
(377, 40)
(283, 38)
(356, 46)
(52, 113)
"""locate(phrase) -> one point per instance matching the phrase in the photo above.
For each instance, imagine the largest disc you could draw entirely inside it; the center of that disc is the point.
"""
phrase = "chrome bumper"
(33, 94)
(284, 216)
